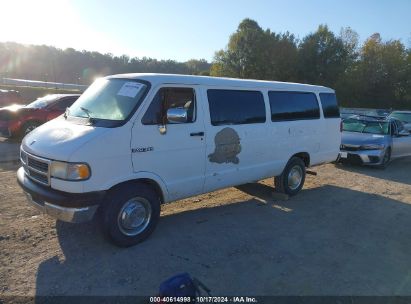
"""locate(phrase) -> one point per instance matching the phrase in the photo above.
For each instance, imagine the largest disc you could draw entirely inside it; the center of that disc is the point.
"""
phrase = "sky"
(186, 29)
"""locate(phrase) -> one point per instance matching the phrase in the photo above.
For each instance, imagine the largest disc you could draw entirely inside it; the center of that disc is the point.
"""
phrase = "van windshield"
(109, 99)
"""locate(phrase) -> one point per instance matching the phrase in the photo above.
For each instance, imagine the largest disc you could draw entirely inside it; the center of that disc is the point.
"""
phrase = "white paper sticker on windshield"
(130, 89)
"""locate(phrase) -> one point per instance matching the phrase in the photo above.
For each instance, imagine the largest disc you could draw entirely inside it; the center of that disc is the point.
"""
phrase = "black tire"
(28, 127)
(386, 158)
(114, 205)
(281, 182)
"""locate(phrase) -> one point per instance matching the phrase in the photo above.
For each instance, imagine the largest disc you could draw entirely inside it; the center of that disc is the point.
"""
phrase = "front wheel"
(291, 181)
(130, 214)
(386, 158)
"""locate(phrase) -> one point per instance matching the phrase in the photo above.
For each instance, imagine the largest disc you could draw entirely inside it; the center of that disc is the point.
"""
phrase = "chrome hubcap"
(295, 177)
(134, 216)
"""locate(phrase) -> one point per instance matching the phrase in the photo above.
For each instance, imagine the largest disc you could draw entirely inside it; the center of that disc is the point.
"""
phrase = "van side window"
(293, 105)
(330, 105)
(235, 107)
(167, 98)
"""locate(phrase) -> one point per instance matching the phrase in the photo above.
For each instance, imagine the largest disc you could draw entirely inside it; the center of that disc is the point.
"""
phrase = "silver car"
(373, 141)
(404, 116)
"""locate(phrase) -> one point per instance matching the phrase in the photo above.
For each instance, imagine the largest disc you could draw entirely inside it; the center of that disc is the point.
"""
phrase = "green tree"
(382, 73)
(254, 53)
(347, 82)
(198, 67)
(283, 56)
(407, 82)
(323, 57)
(47, 63)
(245, 54)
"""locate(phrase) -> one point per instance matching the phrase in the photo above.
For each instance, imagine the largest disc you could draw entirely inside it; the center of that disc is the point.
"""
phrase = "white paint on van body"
(178, 162)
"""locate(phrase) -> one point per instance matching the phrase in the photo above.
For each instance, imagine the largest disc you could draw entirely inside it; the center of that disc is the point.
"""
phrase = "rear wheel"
(291, 181)
(130, 214)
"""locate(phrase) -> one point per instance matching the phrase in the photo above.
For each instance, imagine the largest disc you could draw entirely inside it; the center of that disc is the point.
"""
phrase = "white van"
(132, 142)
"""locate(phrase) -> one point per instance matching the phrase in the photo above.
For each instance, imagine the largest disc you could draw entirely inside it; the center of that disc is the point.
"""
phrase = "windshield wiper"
(88, 113)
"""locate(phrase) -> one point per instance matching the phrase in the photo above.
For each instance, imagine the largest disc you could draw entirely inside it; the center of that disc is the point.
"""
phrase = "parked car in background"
(347, 112)
(9, 97)
(18, 120)
(373, 141)
(404, 116)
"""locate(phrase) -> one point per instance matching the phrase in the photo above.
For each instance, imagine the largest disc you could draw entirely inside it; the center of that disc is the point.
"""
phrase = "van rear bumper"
(68, 207)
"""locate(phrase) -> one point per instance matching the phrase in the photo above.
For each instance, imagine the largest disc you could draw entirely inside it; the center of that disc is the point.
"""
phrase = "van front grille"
(36, 168)
(38, 165)
(38, 177)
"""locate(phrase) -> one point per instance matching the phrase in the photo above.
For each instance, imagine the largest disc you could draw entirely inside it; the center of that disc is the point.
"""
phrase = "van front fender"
(142, 175)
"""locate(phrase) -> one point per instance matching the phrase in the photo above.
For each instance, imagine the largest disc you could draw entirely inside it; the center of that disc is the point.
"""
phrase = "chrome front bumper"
(68, 207)
(65, 214)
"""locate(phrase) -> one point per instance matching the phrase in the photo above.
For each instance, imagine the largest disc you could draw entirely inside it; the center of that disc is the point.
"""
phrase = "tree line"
(375, 73)
(47, 63)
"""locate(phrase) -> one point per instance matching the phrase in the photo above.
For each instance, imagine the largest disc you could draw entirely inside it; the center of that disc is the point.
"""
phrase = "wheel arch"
(305, 156)
(159, 189)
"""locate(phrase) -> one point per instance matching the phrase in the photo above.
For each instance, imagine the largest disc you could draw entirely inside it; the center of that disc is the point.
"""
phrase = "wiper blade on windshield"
(88, 113)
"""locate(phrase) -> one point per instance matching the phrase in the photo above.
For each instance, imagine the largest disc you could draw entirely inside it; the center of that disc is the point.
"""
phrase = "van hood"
(58, 139)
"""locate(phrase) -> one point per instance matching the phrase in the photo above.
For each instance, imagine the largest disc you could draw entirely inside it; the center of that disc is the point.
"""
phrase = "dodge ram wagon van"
(135, 141)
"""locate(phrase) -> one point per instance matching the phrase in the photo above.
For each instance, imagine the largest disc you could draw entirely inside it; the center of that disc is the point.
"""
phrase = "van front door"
(175, 152)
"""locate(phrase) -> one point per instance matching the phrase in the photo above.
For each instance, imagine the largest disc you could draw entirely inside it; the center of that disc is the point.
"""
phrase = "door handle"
(197, 134)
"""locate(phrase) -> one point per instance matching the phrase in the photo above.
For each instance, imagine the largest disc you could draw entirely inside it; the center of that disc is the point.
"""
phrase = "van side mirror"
(177, 115)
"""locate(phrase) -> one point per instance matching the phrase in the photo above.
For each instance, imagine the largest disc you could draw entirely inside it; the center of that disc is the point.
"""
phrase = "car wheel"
(291, 181)
(386, 158)
(130, 214)
(29, 126)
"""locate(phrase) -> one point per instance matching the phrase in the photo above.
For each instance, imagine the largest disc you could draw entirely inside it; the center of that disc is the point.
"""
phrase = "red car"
(18, 120)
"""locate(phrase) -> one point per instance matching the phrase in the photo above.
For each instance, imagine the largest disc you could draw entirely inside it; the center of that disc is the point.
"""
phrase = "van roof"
(155, 79)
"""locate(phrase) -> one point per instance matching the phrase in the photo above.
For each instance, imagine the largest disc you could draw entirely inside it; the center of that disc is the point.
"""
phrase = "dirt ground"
(347, 233)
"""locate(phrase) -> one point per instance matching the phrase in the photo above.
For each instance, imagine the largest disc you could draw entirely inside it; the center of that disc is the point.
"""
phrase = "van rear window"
(293, 105)
(330, 105)
(235, 107)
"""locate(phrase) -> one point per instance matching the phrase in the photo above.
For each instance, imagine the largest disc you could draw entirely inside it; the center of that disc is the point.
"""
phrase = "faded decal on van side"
(227, 147)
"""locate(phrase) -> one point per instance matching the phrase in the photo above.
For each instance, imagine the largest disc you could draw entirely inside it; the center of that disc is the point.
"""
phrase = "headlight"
(69, 171)
(372, 147)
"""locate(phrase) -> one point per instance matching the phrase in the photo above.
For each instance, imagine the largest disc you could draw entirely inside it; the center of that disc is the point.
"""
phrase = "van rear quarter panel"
(330, 142)
(330, 139)
(265, 148)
